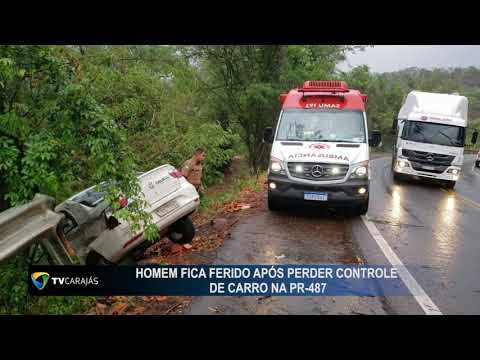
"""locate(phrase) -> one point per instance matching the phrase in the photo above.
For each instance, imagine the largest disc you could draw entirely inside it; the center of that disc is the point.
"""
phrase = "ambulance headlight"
(454, 171)
(360, 170)
(402, 164)
(276, 166)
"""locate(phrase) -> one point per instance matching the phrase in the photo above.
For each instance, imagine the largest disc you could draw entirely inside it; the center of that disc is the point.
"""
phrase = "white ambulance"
(320, 148)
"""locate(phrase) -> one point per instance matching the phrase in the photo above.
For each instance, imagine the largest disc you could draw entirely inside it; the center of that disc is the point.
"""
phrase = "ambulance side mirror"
(474, 137)
(376, 138)
(268, 135)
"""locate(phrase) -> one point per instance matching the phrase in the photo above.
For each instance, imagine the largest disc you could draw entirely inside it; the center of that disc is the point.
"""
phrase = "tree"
(246, 80)
(45, 109)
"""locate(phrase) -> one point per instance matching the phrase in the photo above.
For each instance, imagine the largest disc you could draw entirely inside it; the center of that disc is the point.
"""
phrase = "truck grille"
(437, 169)
(423, 157)
(318, 171)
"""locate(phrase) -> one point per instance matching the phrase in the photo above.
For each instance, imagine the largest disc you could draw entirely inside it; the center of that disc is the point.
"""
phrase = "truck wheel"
(273, 205)
(449, 184)
(94, 258)
(182, 232)
(397, 177)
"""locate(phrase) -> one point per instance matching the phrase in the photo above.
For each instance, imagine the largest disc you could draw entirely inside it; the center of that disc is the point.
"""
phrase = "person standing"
(193, 167)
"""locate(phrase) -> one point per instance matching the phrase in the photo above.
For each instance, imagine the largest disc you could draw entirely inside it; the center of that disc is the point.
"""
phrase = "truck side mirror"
(474, 137)
(376, 138)
(268, 135)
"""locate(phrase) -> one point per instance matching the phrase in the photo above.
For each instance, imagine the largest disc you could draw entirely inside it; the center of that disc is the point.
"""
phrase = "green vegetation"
(74, 116)
(387, 91)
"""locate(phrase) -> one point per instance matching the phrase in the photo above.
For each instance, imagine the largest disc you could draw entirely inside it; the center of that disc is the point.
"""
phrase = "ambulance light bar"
(329, 86)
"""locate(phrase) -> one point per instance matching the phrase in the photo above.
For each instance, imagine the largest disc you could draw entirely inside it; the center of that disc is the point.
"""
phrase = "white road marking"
(427, 305)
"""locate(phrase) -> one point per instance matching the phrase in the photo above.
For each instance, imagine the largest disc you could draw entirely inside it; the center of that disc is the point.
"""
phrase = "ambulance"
(430, 137)
(320, 148)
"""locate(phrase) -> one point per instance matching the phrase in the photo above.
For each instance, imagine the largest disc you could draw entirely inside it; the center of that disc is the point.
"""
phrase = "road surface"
(434, 232)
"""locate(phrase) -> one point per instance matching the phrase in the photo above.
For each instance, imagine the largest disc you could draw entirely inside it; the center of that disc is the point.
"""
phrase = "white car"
(84, 225)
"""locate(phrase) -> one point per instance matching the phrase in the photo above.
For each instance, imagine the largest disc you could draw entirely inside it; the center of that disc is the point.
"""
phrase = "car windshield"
(91, 197)
(432, 133)
(322, 125)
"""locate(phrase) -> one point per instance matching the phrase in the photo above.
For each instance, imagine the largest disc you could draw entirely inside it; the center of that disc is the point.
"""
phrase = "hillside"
(465, 81)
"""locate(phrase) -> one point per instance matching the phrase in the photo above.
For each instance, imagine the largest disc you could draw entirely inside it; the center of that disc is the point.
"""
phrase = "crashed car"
(83, 225)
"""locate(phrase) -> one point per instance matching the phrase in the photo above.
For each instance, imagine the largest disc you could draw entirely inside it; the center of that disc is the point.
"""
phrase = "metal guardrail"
(22, 226)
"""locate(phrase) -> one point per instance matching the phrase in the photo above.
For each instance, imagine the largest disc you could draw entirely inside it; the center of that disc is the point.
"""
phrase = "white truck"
(430, 137)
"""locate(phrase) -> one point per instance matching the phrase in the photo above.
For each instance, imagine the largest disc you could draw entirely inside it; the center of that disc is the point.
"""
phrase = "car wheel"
(182, 232)
(449, 184)
(273, 205)
(94, 258)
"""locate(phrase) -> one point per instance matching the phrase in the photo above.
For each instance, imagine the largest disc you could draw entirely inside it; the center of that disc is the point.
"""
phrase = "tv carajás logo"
(40, 279)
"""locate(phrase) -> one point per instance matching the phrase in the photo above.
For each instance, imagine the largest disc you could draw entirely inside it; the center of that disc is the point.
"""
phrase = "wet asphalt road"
(434, 232)
(291, 237)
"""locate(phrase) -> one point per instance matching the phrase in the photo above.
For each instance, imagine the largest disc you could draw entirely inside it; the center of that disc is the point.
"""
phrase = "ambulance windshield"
(322, 125)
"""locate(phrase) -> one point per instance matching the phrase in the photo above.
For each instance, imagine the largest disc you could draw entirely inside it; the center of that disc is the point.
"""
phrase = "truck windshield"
(432, 133)
(322, 125)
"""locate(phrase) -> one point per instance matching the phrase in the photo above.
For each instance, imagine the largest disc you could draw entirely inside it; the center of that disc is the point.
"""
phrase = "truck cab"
(430, 137)
(320, 147)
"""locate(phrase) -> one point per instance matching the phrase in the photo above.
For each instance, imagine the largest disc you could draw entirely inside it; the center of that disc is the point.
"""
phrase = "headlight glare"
(276, 166)
(360, 170)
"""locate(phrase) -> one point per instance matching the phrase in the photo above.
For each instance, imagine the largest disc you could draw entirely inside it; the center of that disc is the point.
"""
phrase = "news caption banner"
(217, 280)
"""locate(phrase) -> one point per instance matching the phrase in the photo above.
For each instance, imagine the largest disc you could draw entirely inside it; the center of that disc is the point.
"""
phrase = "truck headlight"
(453, 171)
(276, 166)
(402, 164)
(360, 170)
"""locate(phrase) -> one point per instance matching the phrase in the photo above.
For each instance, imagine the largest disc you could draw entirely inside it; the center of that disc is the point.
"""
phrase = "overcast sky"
(385, 58)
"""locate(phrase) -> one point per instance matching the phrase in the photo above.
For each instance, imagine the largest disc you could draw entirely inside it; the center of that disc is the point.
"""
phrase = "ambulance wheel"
(273, 205)
(361, 209)
(477, 164)
(449, 184)
(182, 232)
